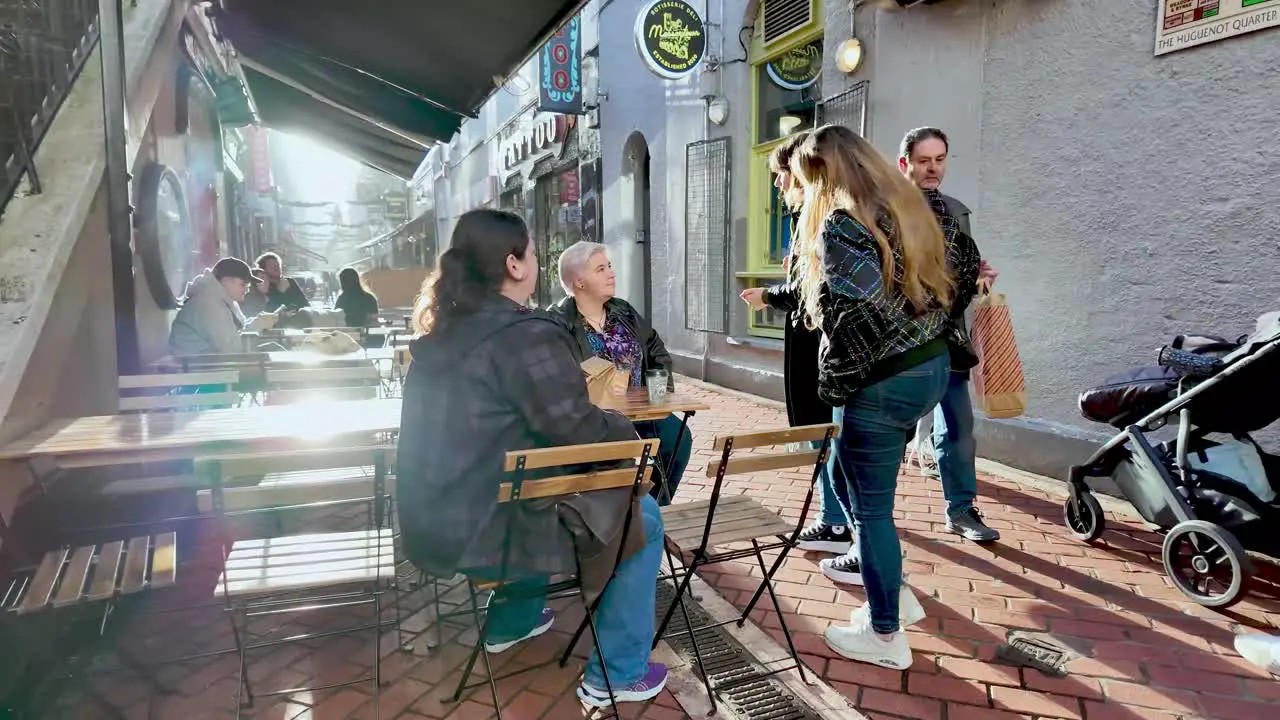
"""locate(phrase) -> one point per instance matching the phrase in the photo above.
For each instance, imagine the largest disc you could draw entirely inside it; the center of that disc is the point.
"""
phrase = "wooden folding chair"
(698, 526)
(518, 489)
(301, 573)
(322, 384)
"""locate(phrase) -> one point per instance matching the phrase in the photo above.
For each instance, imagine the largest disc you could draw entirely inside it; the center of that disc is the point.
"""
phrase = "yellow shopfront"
(786, 61)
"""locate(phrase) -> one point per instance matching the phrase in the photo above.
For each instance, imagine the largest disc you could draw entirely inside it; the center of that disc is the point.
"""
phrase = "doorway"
(636, 199)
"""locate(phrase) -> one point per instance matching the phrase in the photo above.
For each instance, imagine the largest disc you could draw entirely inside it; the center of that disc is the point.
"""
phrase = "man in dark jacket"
(831, 532)
(282, 292)
(923, 159)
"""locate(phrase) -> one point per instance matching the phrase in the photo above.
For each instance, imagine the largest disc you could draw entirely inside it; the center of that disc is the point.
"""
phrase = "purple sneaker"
(646, 688)
(544, 624)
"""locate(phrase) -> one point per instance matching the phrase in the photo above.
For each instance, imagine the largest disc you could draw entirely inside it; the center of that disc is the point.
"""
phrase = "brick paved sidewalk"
(1148, 652)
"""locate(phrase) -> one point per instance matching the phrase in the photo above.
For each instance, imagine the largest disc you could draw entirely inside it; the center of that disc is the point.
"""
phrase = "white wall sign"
(543, 136)
(1181, 24)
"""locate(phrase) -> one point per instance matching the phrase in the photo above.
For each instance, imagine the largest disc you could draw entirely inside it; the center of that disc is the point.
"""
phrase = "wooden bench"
(259, 482)
(95, 573)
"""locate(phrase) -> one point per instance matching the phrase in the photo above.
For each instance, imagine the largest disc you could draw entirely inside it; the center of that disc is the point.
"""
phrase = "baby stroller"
(1213, 497)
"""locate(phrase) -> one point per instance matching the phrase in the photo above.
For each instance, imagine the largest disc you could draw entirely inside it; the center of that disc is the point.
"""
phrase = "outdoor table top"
(147, 437)
(636, 406)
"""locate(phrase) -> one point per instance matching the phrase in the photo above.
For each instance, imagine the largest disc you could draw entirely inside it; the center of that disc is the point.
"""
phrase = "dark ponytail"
(472, 269)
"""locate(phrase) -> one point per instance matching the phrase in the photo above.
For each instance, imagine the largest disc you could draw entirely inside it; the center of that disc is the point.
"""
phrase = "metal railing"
(43, 47)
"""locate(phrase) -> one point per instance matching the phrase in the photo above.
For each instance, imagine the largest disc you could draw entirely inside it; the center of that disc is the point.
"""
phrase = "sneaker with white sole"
(1261, 650)
(643, 690)
(861, 643)
(844, 569)
(910, 611)
(821, 537)
(544, 624)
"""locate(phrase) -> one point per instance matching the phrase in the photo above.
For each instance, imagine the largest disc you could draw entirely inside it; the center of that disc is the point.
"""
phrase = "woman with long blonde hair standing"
(874, 277)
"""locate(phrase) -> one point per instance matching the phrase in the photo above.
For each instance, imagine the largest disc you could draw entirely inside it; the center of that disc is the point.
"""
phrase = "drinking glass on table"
(656, 381)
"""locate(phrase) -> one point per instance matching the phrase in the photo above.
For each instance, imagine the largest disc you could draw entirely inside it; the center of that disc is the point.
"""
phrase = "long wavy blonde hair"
(841, 171)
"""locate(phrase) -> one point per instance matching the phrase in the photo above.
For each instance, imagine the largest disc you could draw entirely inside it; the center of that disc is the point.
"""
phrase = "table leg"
(665, 472)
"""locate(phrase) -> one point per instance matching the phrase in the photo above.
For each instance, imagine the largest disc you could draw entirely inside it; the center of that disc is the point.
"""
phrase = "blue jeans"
(835, 496)
(665, 430)
(876, 424)
(624, 617)
(955, 446)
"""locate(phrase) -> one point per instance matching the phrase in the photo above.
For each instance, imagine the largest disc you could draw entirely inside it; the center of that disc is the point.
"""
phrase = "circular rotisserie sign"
(671, 37)
(797, 68)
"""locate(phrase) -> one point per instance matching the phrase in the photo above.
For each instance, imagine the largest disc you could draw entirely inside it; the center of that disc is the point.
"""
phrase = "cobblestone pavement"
(1146, 652)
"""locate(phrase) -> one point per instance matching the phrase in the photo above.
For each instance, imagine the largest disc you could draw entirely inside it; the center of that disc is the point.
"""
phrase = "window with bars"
(706, 237)
(848, 108)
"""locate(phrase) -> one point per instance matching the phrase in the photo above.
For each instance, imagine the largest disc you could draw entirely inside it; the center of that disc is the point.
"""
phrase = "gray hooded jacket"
(209, 321)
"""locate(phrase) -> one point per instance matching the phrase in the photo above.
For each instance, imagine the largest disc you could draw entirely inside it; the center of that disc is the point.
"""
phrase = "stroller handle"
(1188, 364)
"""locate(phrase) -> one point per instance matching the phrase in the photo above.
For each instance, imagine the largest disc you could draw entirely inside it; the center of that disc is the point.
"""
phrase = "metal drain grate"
(752, 697)
(1038, 651)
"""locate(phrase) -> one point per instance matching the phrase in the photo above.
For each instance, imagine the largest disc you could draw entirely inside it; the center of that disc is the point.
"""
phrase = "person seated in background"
(608, 327)
(210, 320)
(355, 301)
(255, 301)
(281, 291)
(491, 376)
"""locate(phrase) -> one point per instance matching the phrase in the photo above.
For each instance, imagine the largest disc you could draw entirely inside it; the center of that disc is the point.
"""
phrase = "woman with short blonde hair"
(875, 278)
(609, 327)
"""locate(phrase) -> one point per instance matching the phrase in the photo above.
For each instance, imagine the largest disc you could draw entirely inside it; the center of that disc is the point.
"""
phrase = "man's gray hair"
(574, 260)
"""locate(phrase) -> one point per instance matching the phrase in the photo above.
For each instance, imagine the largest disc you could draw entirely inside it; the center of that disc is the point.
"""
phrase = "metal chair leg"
(483, 625)
(377, 653)
(760, 590)
(604, 668)
(782, 620)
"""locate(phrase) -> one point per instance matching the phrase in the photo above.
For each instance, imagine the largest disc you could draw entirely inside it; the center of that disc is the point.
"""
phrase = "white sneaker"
(1261, 650)
(910, 611)
(861, 643)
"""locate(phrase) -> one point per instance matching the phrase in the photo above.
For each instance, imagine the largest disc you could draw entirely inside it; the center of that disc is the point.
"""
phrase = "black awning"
(287, 108)
(419, 65)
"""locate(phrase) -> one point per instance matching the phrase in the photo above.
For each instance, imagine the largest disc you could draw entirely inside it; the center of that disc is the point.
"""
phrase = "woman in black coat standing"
(830, 533)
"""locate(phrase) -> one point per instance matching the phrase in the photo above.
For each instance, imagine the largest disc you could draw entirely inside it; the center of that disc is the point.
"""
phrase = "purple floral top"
(619, 346)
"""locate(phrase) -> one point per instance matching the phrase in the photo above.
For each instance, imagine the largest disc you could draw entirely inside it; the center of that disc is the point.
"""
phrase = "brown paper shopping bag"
(998, 383)
(604, 381)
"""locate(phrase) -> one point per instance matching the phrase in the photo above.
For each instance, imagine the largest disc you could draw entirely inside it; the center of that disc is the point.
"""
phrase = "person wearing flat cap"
(210, 321)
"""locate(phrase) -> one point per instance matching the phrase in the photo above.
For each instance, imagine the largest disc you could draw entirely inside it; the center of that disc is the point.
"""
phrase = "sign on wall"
(797, 68)
(1181, 24)
(560, 71)
(542, 135)
(671, 37)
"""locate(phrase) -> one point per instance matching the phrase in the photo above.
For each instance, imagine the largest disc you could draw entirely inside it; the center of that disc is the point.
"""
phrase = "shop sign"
(560, 74)
(1186, 23)
(671, 37)
(797, 68)
(259, 159)
(544, 136)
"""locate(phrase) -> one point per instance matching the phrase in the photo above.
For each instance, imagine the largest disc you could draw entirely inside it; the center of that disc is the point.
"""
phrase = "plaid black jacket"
(499, 380)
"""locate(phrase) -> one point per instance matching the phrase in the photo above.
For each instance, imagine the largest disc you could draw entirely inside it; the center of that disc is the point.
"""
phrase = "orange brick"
(1034, 703)
(1146, 696)
(900, 704)
(947, 688)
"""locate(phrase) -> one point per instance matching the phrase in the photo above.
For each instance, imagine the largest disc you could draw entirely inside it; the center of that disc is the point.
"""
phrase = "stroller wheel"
(1084, 518)
(1207, 563)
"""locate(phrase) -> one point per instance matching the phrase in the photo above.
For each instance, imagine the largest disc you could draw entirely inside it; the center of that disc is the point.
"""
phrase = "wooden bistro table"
(636, 406)
(156, 437)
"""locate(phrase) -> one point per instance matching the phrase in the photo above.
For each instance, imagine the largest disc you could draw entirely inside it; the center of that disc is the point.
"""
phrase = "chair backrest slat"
(783, 436)
(570, 484)
(319, 459)
(761, 462)
(577, 454)
(173, 380)
(312, 376)
(178, 402)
